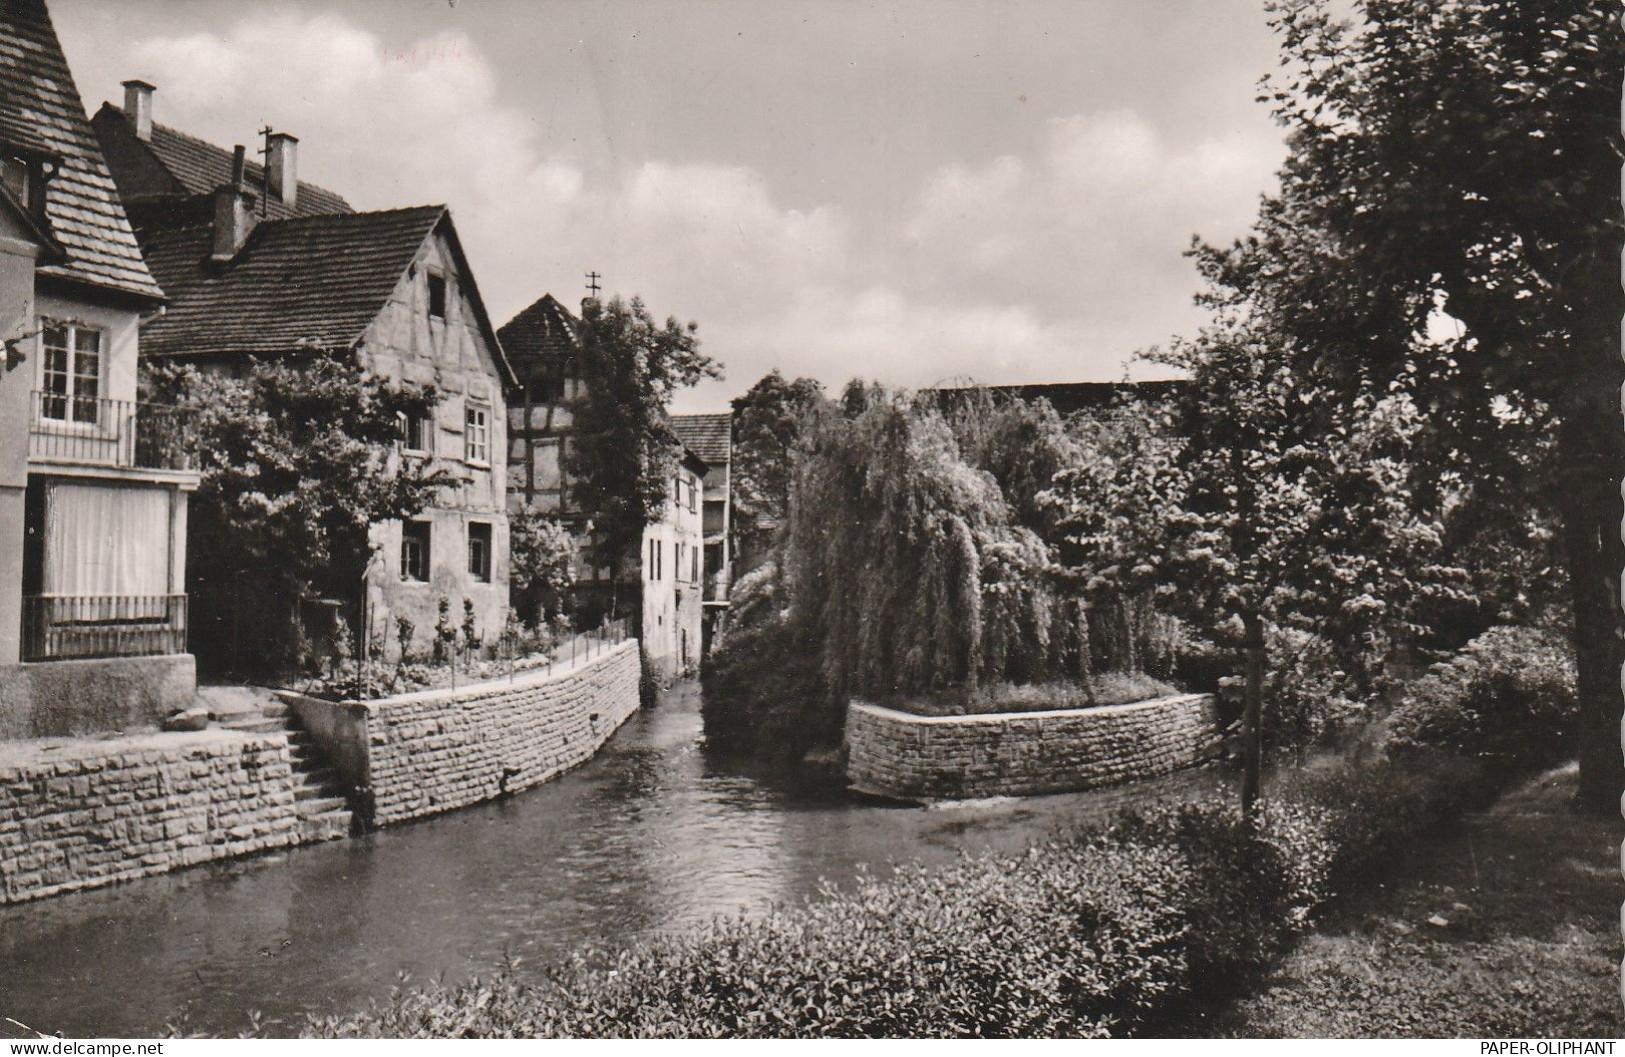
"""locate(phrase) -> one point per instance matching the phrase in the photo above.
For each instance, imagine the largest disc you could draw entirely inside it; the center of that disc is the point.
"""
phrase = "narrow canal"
(655, 834)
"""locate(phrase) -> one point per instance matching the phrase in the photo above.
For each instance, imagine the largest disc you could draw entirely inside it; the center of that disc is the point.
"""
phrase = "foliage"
(767, 424)
(764, 688)
(925, 580)
(623, 454)
(1511, 692)
(1458, 161)
(1293, 512)
(1309, 700)
(1106, 688)
(541, 563)
(298, 462)
(1085, 934)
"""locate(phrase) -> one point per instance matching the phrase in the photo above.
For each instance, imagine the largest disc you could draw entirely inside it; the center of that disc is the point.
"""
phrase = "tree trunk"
(1252, 713)
(1591, 534)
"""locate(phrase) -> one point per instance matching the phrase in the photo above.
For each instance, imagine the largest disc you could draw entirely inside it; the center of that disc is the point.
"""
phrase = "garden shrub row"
(1086, 934)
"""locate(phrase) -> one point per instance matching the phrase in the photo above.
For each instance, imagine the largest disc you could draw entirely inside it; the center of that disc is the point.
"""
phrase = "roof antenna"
(265, 167)
(592, 284)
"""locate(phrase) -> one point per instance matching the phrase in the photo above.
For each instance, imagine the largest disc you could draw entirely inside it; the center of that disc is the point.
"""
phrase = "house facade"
(541, 343)
(710, 437)
(673, 575)
(94, 484)
(258, 263)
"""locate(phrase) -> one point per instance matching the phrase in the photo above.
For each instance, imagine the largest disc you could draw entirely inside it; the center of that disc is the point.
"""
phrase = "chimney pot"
(138, 107)
(238, 164)
(281, 170)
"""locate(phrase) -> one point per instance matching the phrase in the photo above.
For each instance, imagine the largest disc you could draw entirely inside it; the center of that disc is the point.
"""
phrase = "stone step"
(317, 785)
(309, 807)
(327, 825)
(253, 724)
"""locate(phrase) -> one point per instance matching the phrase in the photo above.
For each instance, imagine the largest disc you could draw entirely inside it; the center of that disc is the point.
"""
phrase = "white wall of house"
(17, 255)
(673, 579)
(406, 342)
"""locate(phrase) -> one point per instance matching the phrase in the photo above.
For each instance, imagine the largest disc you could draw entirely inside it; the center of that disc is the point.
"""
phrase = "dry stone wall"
(77, 814)
(436, 750)
(896, 754)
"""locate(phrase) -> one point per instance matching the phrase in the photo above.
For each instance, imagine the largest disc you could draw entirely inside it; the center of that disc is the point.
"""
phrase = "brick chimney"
(138, 107)
(233, 212)
(281, 172)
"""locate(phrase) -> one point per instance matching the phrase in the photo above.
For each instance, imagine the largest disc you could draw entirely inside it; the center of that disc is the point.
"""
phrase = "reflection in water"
(655, 834)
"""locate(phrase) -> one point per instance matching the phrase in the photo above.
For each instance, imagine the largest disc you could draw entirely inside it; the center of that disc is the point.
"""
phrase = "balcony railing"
(62, 627)
(120, 433)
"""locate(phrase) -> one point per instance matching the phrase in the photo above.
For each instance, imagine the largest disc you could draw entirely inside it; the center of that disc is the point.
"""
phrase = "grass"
(1110, 688)
(1528, 894)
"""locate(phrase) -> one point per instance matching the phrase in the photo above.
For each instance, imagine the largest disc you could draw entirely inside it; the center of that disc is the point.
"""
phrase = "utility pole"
(592, 284)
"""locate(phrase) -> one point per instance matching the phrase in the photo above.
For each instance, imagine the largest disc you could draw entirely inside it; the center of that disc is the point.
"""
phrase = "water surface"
(657, 833)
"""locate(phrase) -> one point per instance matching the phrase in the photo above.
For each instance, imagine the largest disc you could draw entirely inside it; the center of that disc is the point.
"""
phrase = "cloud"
(1050, 263)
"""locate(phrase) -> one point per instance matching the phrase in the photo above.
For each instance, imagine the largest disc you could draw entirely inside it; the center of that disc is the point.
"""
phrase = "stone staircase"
(319, 793)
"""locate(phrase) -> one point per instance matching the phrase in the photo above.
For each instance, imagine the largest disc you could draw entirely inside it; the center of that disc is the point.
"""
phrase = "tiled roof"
(40, 111)
(708, 436)
(301, 280)
(545, 331)
(198, 167)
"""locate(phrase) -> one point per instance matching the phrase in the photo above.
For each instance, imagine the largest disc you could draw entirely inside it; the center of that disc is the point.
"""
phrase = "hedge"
(1090, 934)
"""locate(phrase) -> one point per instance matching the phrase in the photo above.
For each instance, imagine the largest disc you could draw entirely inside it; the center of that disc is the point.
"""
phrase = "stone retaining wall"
(892, 753)
(435, 750)
(77, 814)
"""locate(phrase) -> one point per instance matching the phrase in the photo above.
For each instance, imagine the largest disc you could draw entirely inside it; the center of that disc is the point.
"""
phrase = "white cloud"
(1048, 264)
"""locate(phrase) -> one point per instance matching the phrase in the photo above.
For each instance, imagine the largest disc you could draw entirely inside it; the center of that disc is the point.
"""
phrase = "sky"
(908, 191)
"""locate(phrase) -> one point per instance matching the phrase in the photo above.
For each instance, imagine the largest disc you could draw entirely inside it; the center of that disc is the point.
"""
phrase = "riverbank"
(1091, 932)
(1505, 927)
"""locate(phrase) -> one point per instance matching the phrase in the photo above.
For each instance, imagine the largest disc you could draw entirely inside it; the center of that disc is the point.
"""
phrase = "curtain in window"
(106, 540)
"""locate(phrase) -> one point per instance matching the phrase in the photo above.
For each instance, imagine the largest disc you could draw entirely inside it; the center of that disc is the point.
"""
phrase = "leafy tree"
(925, 581)
(624, 453)
(542, 554)
(767, 422)
(1289, 515)
(1463, 156)
(299, 460)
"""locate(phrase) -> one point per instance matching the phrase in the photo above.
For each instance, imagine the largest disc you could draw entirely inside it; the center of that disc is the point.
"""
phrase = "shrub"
(1509, 692)
(1107, 688)
(1308, 697)
(1085, 934)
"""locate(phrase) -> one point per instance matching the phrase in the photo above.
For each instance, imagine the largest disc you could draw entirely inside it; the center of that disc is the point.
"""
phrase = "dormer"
(24, 174)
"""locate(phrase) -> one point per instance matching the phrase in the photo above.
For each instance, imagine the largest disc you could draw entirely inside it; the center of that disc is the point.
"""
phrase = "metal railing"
(121, 433)
(60, 627)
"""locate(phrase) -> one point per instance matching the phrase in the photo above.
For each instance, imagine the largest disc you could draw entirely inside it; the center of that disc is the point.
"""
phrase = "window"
(694, 562)
(677, 556)
(476, 434)
(72, 371)
(654, 556)
(437, 296)
(479, 550)
(415, 550)
(693, 486)
(417, 432)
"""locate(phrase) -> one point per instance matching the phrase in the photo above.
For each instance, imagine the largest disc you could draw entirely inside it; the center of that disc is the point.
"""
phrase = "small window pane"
(437, 296)
(415, 550)
(479, 551)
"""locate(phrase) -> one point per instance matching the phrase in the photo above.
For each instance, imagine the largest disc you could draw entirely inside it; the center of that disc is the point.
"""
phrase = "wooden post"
(1252, 740)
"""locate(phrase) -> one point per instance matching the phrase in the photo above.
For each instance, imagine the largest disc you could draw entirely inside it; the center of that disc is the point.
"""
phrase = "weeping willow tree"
(908, 566)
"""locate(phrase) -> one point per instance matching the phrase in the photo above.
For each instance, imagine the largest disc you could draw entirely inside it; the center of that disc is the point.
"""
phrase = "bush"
(1107, 688)
(1308, 697)
(1086, 934)
(1509, 692)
